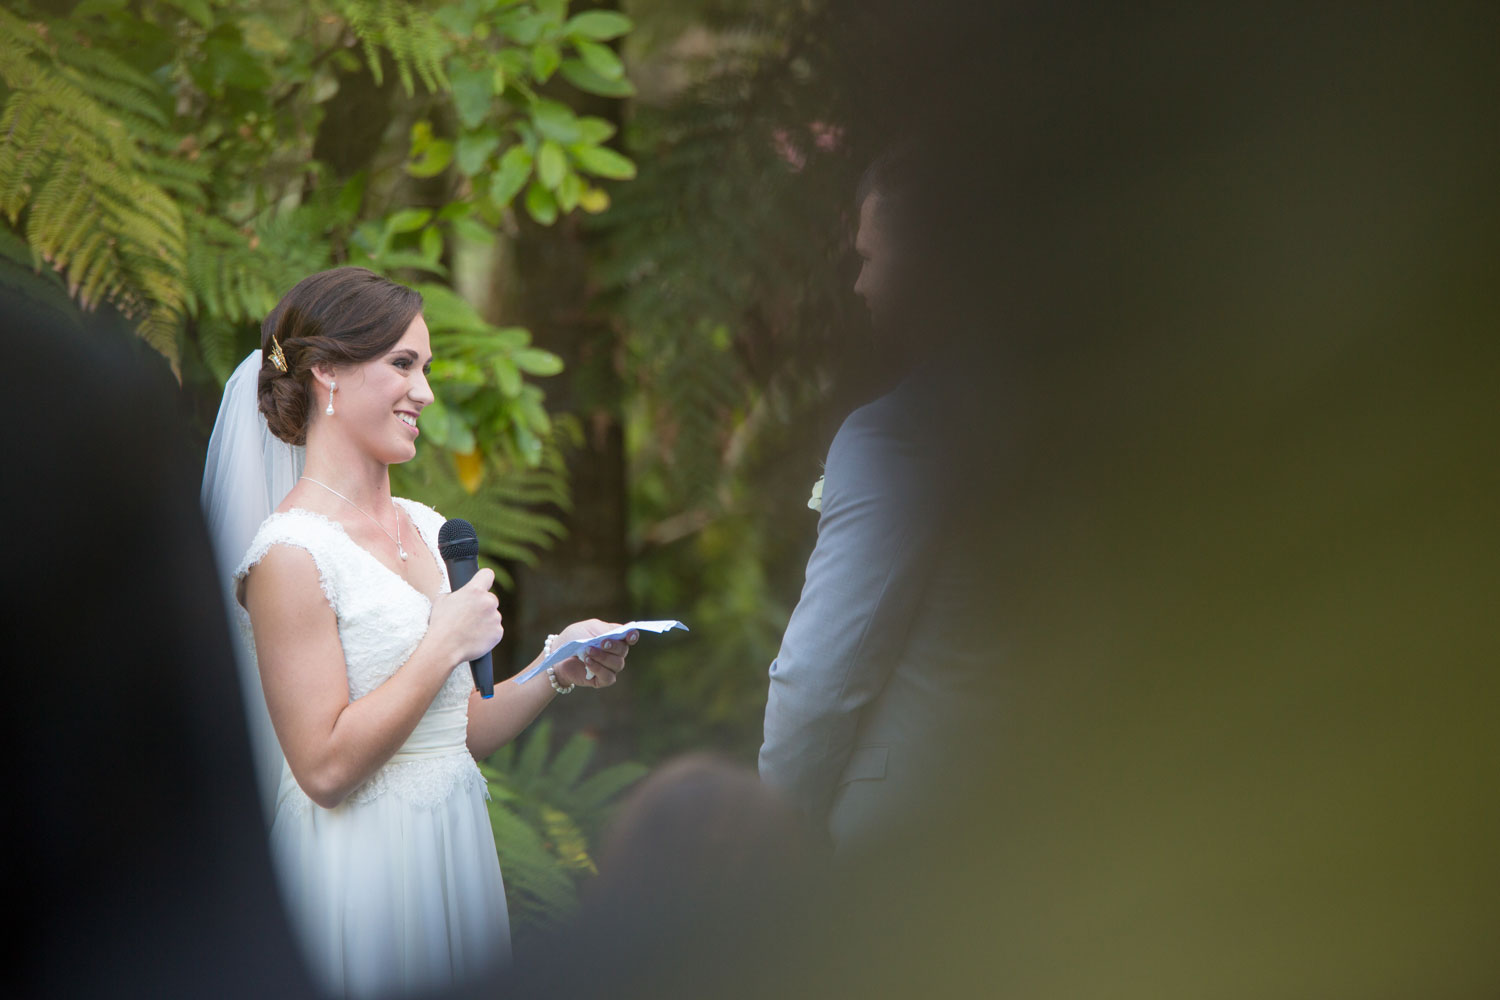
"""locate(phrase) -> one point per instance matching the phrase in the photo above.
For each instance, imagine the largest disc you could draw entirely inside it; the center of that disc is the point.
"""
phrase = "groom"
(875, 690)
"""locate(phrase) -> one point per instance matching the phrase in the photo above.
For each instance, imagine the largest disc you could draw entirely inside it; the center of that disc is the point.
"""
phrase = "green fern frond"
(540, 891)
(545, 820)
(601, 788)
(416, 42)
(83, 176)
(238, 274)
(501, 511)
(113, 82)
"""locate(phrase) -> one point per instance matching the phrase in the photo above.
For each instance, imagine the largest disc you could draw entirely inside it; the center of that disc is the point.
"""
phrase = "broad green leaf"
(544, 61)
(522, 27)
(555, 121)
(540, 204)
(460, 434)
(455, 371)
(432, 244)
(435, 157)
(580, 75)
(421, 136)
(511, 337)
(569, 191)
(594, 130)
(513, 62)
(535, 361)
(507, 376)
(601, 59)
(474, 148)
(514, 171)
(603, 162)
(600, 25)
(472, 92)
(392, 259)
(522, 128)
(444, 310)
(472, 231)
(528, 444)
(433, 422)
(551, 164)
(408, 220)
(530, 406)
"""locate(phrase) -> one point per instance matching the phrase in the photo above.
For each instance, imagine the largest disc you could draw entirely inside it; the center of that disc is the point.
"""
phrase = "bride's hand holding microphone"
(468, 619)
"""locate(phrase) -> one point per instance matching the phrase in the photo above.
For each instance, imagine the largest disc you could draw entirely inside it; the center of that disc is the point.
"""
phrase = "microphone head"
(457, 540)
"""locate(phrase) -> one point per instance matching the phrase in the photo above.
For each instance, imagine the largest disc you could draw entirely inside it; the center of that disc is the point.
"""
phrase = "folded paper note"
(577, 646)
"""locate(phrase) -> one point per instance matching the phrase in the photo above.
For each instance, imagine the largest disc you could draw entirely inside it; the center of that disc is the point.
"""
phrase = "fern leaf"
(570, 761)
(533, 755)
(599, 788)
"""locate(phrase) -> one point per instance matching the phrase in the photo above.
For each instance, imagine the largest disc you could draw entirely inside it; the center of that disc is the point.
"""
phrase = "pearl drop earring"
(333, 387)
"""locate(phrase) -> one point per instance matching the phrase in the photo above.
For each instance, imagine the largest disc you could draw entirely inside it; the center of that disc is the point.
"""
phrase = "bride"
(380, 831)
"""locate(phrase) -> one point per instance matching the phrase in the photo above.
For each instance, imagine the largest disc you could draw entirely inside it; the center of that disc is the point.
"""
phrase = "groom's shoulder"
(890, 425)
(877, 451)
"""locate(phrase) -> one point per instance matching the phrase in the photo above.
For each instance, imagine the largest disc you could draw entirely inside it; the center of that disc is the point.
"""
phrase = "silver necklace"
(395, 538)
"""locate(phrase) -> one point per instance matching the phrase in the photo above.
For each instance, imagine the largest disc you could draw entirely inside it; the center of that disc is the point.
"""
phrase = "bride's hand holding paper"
(596, 662)
(582, 642)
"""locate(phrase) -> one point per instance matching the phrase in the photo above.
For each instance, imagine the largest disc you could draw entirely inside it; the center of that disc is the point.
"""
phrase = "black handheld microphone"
(459, 546)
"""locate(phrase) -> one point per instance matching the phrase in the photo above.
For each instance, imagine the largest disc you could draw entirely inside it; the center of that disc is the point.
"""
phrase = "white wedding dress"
(398, 888)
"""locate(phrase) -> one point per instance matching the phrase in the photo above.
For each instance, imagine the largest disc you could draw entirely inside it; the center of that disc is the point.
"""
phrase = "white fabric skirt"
(398, 889)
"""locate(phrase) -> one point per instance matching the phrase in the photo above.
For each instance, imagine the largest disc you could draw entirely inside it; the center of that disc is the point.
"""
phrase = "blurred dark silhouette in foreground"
(136, 861)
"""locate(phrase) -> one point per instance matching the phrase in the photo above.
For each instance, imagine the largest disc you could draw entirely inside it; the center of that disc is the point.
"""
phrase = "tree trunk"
(584, 575)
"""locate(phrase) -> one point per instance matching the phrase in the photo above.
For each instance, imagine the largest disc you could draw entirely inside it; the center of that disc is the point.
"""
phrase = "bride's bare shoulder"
(285, 576)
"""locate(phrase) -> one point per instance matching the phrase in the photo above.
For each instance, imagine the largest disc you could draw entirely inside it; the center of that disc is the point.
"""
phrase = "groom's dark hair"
(895, 177)
(344, 316)
(934, 204)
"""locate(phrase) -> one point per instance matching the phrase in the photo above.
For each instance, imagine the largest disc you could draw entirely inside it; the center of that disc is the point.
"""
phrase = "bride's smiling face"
(378, 402)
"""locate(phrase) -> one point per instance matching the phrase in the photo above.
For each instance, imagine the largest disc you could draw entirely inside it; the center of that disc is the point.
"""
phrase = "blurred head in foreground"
(705, 878)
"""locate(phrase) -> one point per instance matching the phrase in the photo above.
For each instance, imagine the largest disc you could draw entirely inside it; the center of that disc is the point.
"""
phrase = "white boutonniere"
(815, 501)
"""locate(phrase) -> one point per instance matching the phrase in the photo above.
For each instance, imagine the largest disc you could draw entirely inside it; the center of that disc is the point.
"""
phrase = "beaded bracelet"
(551, 673)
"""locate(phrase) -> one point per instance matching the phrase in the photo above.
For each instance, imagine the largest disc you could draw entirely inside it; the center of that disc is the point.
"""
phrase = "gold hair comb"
(277, 357)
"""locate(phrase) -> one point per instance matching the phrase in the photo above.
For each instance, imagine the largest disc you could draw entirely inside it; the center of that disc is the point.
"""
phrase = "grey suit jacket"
(873, 689)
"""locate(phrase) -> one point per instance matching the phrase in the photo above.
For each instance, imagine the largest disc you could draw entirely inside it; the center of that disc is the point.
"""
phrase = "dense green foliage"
(182, 163)
(545, 814)
(187, 162)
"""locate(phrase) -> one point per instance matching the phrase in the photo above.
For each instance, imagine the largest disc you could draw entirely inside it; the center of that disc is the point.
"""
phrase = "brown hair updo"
(345, 316)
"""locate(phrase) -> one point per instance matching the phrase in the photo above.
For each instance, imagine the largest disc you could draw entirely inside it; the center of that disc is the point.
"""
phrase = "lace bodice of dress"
(381, 620)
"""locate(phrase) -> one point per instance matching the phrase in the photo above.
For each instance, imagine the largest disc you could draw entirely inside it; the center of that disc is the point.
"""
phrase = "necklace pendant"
(403, 553)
